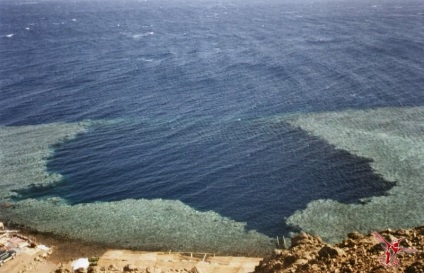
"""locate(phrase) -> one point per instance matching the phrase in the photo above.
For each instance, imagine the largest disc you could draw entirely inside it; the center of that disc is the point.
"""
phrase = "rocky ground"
(357, 253)
(127, 268)
(62, 252)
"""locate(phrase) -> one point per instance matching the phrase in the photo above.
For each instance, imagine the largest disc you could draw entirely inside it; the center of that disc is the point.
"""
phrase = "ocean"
(186, 97)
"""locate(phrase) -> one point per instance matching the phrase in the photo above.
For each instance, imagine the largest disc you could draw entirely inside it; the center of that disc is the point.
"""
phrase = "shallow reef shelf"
(394, 139)
(144, 224)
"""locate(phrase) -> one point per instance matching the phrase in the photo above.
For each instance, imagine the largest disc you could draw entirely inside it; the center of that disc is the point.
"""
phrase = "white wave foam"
(9, 35)
(145, 60)
(27, 3)
(138, 36)
(394, 139)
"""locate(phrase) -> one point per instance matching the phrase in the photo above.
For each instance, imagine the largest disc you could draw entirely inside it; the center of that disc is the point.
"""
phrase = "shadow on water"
(256, 172)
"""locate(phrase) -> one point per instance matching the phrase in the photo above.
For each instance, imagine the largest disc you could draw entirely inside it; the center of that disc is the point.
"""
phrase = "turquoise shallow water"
(188, 99)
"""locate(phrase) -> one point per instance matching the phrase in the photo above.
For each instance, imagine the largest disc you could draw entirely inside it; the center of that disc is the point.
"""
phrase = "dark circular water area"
(197, 86)
(254, 172)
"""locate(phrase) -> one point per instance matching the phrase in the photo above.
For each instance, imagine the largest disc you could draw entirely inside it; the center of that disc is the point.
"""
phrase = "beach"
(307, 253)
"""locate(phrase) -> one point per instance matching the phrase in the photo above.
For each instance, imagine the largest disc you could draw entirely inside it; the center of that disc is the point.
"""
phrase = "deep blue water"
(196, 85)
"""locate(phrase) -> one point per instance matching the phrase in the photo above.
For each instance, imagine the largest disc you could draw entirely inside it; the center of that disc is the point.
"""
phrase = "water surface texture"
(203, 110)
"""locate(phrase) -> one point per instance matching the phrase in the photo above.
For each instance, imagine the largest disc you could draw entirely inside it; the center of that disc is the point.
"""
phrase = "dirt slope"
(357, 253)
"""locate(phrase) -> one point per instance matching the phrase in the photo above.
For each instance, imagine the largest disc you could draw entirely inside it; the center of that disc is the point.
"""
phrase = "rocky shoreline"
(356, 253)
(307, 253)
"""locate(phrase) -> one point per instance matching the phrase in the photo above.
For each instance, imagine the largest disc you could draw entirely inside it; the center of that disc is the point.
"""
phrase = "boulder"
(62, 270)
(417, 267)
(289, 260)
(112, 267)
(130, 268)
(300, 239)
(355, 235)
(330, 252)
(92, 269)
